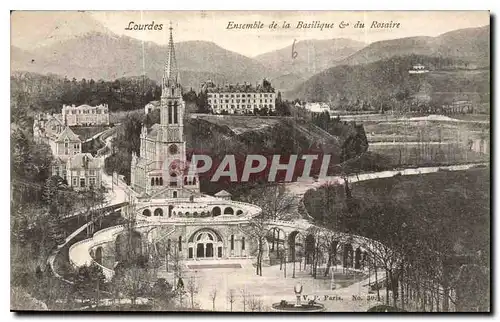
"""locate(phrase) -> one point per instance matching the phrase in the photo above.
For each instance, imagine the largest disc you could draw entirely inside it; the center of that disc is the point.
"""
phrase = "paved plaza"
(272, 287)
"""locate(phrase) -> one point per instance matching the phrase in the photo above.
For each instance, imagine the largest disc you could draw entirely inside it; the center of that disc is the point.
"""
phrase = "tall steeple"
(171, 73)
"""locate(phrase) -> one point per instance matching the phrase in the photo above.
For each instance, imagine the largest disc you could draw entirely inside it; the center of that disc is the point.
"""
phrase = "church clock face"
(173, 149)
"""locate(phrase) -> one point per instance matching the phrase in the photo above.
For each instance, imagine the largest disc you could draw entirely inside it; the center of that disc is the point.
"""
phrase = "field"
(428, 141)
(239, 124)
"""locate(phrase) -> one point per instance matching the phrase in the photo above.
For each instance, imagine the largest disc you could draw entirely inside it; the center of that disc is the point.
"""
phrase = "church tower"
(171, 120)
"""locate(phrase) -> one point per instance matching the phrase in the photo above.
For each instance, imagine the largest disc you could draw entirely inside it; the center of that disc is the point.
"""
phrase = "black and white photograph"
(250, 161)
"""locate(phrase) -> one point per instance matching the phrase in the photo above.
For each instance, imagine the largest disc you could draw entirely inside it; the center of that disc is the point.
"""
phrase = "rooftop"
(264, 87)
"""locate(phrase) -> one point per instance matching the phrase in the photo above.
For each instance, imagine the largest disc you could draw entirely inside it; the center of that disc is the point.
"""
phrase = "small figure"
(298, 292)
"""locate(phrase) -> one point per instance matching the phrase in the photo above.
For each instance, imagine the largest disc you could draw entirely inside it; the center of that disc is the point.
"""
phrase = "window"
(232, 242)
(75, 182)
(92, 172)
(82, 182)
(243, 243)
(176, 116)
(92, 181)
(169, 113)
(180, 243)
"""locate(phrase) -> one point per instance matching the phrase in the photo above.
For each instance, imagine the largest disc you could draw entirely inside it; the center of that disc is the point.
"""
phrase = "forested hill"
(388, 80)
(240, 136)
(49, 92)
(469, 44)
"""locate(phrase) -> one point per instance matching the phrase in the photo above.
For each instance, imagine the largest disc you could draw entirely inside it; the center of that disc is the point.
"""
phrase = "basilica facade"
(162, 159)
(172, 214)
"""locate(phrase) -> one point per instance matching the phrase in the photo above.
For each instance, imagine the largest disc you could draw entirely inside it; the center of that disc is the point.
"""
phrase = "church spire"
(171, 73)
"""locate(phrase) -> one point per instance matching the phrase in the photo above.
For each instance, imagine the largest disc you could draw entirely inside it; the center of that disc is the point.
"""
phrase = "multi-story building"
(84, 171)
(151, 106)
(80, 170)
(85, 115)
(240, 98)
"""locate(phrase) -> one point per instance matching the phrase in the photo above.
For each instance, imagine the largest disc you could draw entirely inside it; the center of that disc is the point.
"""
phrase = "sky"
(36, 28)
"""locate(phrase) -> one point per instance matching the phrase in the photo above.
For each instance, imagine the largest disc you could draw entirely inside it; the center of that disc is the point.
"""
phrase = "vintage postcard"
(250, 161)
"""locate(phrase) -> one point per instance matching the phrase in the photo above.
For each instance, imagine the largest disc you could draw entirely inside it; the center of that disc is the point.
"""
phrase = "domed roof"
(223, 193)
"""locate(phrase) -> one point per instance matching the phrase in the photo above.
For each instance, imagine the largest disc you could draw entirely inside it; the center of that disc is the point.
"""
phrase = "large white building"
(85, 115)
(240, 98)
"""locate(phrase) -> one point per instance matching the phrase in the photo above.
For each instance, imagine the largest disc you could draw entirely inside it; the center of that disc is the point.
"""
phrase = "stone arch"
(195, 214)
(174, 194)
(188, 214)
(357, 258)
(98, 255)
(239, 212)
(158, 212)
(277, 239)
(295, 241)
(205, 243)
(228, 211)
(309, 247)
(347, 257)
(216, 211)
(146, 213)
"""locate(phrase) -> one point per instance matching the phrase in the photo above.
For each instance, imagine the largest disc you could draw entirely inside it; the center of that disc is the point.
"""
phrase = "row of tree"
(47, 93)
(426, 268)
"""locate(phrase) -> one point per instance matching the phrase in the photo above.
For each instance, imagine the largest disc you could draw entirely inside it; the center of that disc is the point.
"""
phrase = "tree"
(213, 296)
(88, 283)
(231, 298)
(244, 298)
(135, 281)
(192, 289)
(275, 200)
(257, 231)
(162, 294)
(255, 304)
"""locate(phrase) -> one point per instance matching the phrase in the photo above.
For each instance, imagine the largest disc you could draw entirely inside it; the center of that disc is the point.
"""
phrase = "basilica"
(161, 164)
(171, 212)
